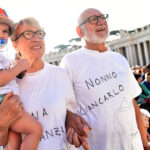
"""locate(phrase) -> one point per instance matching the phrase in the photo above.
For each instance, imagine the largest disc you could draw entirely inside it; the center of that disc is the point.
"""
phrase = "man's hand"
(76, 122)
(10, 111)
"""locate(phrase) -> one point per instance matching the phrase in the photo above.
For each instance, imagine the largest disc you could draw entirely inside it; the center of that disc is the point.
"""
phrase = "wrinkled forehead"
(90, 12)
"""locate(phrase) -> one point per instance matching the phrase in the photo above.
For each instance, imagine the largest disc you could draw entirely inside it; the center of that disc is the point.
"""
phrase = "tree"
(61, 47)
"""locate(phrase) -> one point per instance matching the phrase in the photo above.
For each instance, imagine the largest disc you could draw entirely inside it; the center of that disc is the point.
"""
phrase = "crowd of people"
(142, 75)
(88, 102)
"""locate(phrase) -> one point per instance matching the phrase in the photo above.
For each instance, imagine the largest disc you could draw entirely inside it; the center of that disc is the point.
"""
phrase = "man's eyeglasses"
(94, 19)
(30, 34)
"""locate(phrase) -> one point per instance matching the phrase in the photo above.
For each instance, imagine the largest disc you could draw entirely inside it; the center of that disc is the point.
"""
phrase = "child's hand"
(22, 64)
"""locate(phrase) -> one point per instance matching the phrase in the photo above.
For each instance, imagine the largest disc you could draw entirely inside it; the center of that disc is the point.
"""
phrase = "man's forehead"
(90, 12)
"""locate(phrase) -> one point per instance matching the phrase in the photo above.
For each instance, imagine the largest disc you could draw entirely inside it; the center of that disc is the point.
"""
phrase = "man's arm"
(140, 124)
(10, 112)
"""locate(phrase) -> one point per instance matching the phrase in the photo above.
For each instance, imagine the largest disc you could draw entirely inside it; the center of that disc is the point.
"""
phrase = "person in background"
(144, 97)
(146, 116)
(146, 82)
(104, 88)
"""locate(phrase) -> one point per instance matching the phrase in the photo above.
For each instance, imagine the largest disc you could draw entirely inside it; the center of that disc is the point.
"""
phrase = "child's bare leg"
(32, 130)
(14, 141)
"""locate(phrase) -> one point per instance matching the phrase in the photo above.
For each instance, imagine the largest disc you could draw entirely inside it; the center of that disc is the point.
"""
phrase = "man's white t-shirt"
(104, 87)
(47, 94)
(11, 86)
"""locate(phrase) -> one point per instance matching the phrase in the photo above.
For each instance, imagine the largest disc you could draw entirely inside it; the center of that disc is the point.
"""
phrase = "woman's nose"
(35, 37)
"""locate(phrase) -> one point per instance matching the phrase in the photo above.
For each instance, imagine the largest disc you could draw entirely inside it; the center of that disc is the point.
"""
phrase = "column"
(139, 54)
(117, 50)
(128, 53)
(146, 52)
(130, 56)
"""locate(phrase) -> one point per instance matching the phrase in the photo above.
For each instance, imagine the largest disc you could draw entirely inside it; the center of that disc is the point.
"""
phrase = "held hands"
(75, 139)
(77, 130)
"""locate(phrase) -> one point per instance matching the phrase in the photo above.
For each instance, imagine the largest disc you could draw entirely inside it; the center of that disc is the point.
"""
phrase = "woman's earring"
(19, 54)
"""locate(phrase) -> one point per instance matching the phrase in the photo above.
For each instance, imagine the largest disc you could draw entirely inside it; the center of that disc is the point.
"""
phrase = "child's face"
(4, 31)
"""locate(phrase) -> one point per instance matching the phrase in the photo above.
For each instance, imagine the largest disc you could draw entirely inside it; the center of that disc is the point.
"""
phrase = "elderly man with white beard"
(105, 88)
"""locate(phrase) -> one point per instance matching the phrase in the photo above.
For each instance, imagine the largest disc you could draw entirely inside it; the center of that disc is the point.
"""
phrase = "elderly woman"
(45, 89)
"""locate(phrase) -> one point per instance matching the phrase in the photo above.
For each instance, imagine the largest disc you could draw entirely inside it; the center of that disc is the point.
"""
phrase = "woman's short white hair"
(30, 21)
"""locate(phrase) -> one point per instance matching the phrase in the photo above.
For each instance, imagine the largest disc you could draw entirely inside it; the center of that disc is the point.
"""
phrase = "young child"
(26, 124)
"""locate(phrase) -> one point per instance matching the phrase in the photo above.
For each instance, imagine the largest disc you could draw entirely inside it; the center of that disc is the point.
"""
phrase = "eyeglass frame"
(32, 36)
(87, 19)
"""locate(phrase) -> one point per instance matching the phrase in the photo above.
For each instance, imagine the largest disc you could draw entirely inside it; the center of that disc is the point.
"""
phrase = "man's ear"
(79, 31)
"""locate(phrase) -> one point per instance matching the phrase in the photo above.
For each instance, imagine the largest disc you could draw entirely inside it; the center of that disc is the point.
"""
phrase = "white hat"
(145, 112)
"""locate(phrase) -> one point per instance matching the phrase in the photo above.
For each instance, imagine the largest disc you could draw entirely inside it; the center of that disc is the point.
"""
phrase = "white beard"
(93, 38)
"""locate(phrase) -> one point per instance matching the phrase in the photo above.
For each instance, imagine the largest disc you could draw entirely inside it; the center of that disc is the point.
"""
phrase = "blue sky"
(59, 17)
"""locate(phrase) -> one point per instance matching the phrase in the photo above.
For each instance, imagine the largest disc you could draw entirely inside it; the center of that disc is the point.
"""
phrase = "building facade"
(135, 46)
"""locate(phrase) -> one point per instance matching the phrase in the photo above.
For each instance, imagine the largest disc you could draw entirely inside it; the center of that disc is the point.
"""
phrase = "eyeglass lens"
(30, 34)
(94, 19)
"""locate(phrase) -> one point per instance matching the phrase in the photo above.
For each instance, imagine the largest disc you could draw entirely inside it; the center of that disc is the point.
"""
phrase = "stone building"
(134, 45)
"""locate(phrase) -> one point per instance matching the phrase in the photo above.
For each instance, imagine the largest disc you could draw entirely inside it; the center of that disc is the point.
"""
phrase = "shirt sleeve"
(70, 100)
(135, 89)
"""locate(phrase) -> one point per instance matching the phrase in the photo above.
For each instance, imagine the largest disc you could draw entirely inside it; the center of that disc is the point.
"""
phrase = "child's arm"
(8, 75)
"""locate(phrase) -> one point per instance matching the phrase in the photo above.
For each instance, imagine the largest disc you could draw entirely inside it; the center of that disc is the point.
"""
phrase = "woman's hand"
(77, 130)
(10, 111)
(76, 140)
